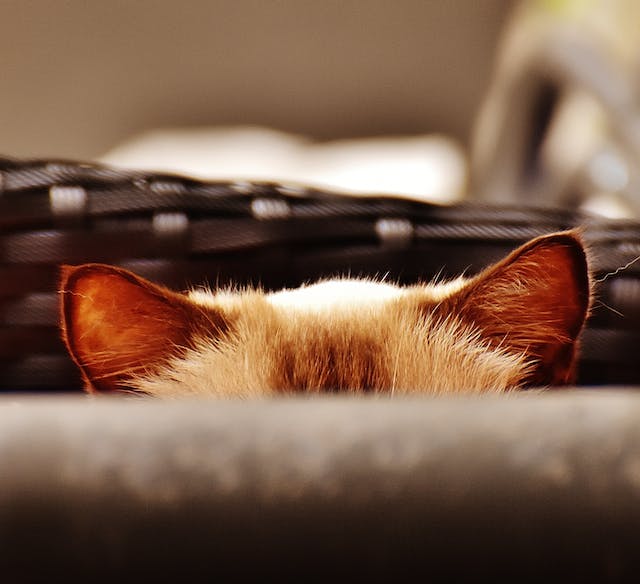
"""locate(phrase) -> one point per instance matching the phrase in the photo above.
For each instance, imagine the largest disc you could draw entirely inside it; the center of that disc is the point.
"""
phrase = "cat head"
(515, 324)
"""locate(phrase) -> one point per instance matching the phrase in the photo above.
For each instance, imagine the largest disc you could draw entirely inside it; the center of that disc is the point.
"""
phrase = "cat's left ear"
(116, 324)
(535, 302)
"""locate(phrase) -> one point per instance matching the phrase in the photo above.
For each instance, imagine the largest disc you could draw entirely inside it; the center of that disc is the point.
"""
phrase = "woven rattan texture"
(183, 232)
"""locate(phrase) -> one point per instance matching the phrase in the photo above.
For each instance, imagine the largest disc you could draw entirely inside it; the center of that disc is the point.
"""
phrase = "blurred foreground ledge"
(523, 487)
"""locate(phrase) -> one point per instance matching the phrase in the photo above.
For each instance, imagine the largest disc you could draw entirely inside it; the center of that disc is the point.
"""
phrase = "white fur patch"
(333, 293)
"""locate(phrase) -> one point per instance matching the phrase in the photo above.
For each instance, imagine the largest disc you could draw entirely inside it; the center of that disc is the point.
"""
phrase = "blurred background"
(79, 77)
(252, 88)
(497, 100)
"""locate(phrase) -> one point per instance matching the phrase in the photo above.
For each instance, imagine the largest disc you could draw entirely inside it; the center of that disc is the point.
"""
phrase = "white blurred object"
(429, 168)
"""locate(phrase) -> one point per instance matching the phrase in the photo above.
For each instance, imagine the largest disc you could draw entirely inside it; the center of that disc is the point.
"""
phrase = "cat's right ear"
(535, 303)
(117, 325)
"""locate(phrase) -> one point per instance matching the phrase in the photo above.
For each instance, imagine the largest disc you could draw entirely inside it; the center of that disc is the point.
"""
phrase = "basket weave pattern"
(183, 232)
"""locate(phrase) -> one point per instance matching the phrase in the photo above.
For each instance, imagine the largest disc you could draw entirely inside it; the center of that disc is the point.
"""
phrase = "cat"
(515, 325)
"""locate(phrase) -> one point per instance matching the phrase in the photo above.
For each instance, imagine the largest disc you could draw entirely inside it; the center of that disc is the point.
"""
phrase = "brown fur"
(514, 325)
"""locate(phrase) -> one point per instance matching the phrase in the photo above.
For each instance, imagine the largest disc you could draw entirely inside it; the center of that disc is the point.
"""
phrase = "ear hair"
(116, 324)
(534, 302)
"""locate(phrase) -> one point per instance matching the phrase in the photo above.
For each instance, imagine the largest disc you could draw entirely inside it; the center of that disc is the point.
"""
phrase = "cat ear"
(116, 324)
(535, 302)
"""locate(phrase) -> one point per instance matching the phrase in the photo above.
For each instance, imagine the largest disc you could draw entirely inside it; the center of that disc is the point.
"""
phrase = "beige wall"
(77, 76)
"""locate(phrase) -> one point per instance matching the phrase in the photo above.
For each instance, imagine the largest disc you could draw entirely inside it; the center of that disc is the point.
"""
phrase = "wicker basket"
(182, 232)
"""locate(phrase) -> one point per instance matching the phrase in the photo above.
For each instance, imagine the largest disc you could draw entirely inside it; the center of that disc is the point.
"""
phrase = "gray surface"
(526, 487)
